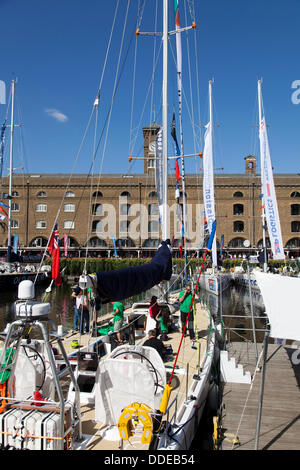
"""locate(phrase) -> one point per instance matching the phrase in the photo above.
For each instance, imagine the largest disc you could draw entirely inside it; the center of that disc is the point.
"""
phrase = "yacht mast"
(263, 198)
(9, 247)
(165, 224)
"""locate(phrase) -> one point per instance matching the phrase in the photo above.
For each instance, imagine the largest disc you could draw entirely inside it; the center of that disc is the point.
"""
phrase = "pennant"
(66, 244)
(4, 212)
(53, 249)
(178, 177)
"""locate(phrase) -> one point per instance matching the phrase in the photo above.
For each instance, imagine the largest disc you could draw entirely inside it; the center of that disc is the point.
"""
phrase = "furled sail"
(269, 195)
(281, 299)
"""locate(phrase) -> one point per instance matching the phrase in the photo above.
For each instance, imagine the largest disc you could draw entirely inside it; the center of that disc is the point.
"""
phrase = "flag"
(4, 212)
(2, 135)
(208, 186)
(15, 243)
(222, 245)
(53, 249)
(3, 205)
(268, 189)
(159, 171)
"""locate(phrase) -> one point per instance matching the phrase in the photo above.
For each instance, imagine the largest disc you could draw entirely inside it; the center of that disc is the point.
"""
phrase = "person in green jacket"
(185, 298)
(118, 313)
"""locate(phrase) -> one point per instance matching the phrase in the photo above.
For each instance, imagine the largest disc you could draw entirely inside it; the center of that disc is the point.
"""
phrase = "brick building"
(95, 210)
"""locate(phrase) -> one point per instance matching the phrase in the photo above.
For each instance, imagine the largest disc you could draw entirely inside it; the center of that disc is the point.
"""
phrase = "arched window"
(69, 194)
(41, 194)
(125, 243)
(96, 242)
(295, 209)
(260, 243)
(238, 226)
(39, 242)
(97, 194)
(153, 194)
(293, 243)
(236, 243)
(238, 194)
(295, 226)
(125, 194)
(151, 243)
(97, 209)
(295, 194)
(238, 209)
(72, 242)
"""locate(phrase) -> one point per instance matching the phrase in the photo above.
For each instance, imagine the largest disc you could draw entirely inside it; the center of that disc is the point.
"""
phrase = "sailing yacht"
(120, 396)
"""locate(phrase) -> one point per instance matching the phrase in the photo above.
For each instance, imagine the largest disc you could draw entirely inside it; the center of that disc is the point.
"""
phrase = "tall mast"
(165, 225)
(261, 160)
(9, 247)
(214, 246)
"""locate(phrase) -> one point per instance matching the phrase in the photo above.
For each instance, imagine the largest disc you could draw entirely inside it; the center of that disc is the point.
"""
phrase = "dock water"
(280, 420)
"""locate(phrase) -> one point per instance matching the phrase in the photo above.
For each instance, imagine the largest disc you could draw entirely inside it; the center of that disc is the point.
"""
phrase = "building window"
(151, 163)
(153, 226)
(153, 194)
(97, 194)
(295, 209)
(41, 208)
(69, 194)
(295, 226)
(295, 194)
(69, 207)
(15, 194)
(96, 242)
(41, 194)
(153, 209)
(124, 209)
(41, 224)
(97, 226)
(238, 194)
(238, 226)
(151, 243)
(97, 209)
(69, 224)
(238, 209)
(125, 243)
(14, 224)
(125, 194)
(236, 243)
(124, 226)
(15, 207)
(39, 242)
(260, 243)
(293, 243)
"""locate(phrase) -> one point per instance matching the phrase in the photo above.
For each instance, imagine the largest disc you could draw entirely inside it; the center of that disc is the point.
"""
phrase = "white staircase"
(232, 372)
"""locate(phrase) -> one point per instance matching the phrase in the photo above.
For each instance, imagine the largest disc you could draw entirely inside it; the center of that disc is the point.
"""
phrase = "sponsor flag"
(208, 186)
(159, 171)
(66, 244)
(114, 243)
(54, 252)
(2, 136)
(15, 243)
(268, 190)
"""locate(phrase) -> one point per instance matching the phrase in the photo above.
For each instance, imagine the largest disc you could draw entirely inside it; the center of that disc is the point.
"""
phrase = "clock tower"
(150, 133)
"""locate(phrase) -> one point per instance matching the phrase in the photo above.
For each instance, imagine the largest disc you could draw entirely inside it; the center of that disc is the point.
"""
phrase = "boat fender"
(129, 419)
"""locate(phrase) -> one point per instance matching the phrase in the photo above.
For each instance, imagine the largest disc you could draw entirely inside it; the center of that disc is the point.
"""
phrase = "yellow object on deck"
(165, 399)
(129, 419)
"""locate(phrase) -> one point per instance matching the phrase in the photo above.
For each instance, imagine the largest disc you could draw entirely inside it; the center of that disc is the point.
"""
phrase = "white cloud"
(57, 115)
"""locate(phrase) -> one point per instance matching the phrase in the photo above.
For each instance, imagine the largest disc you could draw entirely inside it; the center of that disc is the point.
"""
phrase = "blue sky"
(57, 51)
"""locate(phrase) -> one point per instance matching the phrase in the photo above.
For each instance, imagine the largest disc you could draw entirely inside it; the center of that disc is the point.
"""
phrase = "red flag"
(54, 252)
(4, 212)
(178, 177)
(180, 251)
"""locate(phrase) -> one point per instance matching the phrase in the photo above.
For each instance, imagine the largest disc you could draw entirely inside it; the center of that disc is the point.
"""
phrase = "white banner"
(208, 186)
(269, 195)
